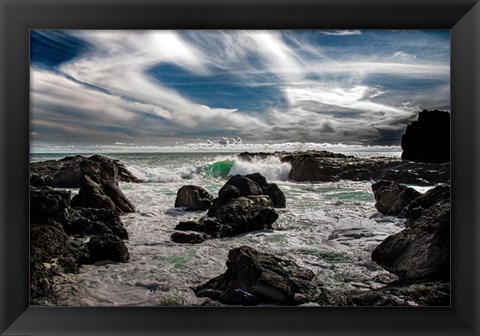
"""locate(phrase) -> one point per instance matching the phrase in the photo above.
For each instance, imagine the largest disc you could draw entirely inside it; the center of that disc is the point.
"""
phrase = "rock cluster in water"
(244, 204)
(66, 233)
(428, 138)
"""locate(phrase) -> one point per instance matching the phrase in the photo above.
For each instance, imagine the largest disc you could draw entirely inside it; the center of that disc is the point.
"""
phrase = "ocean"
(330, 228)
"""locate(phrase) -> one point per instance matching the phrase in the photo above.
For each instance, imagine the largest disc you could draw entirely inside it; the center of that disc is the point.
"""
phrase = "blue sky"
(162, 87)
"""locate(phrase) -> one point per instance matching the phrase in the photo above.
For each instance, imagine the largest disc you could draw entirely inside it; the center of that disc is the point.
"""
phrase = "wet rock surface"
(99, 193)
(68, 172)
(421, 252)
(254, 278)
(193, 198)
(63, 237)
(392, 197)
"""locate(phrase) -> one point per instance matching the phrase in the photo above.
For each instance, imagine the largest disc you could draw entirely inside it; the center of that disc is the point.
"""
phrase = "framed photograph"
(229, 167)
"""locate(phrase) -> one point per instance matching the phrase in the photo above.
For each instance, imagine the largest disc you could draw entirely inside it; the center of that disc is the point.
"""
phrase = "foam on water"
(271, 168)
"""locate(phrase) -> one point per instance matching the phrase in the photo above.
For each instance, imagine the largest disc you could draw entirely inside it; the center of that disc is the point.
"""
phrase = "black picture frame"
(17, 17)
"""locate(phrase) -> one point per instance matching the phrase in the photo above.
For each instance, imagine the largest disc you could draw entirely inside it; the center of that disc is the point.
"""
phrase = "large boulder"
(245, 185)
(68, 172)
(107, 247)
(234, 216)
(276, 195)
(392, 197)
(254, 278)
(428, 138)
(415, 208)
(96, 192)
(421, 251)
(193, 198)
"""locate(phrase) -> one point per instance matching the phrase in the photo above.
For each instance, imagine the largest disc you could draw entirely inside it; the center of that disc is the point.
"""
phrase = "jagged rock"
(392, 197)
(193, 198)
(259, 179)
(46, 203)
(233, 216)
(189, 226)
(68, 172)
(415, 208)
(428, 138)
(51, 252)
(188, 238)
(276, 195)
(422, 294)
(107, 247)
(110, 219)
(229, 191)
(101, 194)
(422, 251)
(245, 185)
(253, 278)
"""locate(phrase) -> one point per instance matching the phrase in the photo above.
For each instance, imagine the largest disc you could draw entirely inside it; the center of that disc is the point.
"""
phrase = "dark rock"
(392, 197)
(276, 195)
(68, 172)
(428, 138)
(322, 166)
(189, 226)
(109, 218)
(422, 294)
(229, 191)
(311, 168)
(253, 278)
(422, 251)
(415, 208)
(233, 216)
(193, 198)
(47, 203)
(107, 247)
(259, 179)
(101, 194)
(245, 185)
(188, 238)
(51, 252)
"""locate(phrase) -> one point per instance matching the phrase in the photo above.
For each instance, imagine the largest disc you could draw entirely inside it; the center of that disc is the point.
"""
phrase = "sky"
(161, 88)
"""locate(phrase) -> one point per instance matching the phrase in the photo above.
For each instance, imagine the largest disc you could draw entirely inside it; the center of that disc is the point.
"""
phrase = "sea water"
(329, 227)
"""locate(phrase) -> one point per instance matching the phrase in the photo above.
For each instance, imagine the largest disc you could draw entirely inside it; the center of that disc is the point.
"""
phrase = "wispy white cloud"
(341, 32)
(107, 92)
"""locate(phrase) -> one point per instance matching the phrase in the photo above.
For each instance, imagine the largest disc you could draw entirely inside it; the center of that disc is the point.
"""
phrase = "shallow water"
(330, 228)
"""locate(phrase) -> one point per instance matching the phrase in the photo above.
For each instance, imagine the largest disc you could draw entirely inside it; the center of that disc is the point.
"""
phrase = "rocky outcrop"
(428, 138)
(323, 166)
(68, 172)
(392, 197)
(254, 278)
(433, 293)
(57, 243)
(420, 252)
(99, 193)
(415, 208)
(193, 198)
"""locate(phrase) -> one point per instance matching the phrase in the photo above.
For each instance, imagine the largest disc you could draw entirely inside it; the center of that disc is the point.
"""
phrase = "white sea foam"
(161, 174)
(271, 168)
